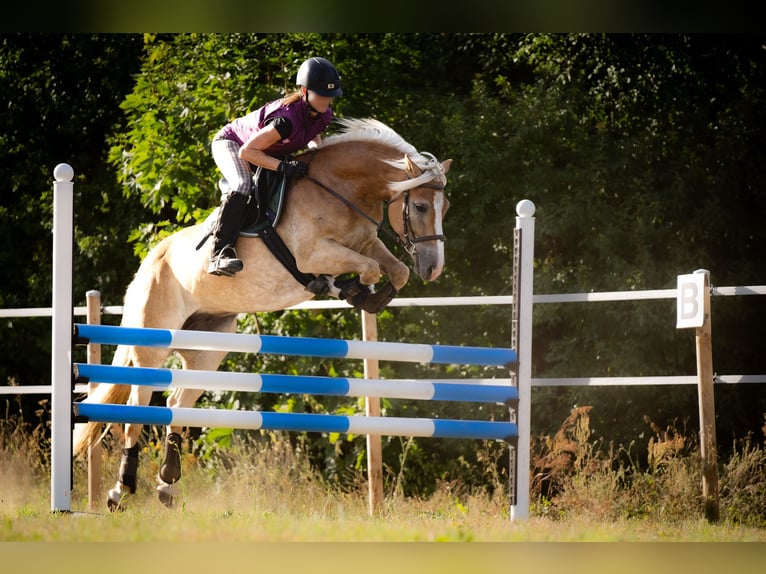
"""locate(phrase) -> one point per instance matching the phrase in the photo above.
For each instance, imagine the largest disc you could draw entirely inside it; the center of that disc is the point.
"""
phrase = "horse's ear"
(445, 165)
(410, 167)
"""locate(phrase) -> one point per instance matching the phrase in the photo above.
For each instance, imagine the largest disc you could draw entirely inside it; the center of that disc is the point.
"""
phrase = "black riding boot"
(231, 216)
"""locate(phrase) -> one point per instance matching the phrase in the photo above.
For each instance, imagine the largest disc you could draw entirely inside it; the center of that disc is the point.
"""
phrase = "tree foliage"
(61, 95)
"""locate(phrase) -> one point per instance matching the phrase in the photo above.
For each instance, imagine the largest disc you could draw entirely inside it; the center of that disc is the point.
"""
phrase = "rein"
(408, 243)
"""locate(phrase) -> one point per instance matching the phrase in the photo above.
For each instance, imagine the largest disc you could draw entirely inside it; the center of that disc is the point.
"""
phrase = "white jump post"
(61, 343)
(525, 222)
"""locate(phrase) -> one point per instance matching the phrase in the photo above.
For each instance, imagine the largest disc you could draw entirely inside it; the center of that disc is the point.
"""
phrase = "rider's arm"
(252, 149)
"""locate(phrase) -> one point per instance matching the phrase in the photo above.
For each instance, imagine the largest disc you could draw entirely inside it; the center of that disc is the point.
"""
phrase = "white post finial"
(525, 208)
(63, 172)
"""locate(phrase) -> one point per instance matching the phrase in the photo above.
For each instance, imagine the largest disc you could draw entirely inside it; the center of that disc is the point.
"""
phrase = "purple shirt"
(304, 127)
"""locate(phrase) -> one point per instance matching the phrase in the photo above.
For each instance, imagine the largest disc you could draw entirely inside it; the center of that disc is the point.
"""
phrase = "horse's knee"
(399, 275)
(129, 468)
(170, 471)
(371, 274)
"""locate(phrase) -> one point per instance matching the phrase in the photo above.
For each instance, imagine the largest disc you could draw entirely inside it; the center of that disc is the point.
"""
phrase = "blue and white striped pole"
(303, 346)
(465, 390)
(302, 422)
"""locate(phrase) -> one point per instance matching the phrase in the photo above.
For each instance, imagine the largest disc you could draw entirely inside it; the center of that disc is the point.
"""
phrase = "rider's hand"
(293, 169)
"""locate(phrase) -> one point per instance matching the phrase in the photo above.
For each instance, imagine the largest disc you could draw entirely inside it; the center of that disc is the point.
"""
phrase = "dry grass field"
(268, 512)
(268, 494)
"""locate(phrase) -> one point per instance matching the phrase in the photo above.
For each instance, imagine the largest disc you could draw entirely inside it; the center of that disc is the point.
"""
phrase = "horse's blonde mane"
(368, 129)
(372, 130)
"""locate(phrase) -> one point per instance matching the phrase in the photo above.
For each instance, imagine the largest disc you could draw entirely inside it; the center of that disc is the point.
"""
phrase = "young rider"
(266, 137)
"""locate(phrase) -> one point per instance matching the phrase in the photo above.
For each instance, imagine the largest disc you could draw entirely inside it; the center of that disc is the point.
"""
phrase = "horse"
(330, 222)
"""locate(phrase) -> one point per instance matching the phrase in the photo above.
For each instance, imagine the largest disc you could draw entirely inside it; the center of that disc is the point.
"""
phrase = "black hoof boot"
(373, 302)
(127, 483)
(170, 471)
(379, 300)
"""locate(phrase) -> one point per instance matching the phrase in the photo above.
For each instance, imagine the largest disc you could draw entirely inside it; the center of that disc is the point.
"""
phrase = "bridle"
(408, 240)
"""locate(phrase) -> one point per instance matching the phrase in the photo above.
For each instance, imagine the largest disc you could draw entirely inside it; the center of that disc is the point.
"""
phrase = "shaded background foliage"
(642, 153)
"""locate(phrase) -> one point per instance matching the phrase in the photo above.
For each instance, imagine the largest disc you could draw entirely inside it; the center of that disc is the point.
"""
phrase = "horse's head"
(417, 211)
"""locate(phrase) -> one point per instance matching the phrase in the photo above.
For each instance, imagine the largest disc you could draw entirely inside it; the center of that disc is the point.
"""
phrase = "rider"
(266, 138)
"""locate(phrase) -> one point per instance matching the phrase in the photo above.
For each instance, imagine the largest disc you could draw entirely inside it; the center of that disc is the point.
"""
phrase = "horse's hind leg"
(127, 481)
(170, 470)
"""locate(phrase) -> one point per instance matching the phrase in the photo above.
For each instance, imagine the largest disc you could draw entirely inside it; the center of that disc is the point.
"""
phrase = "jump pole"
(525, 223)
(61, 343)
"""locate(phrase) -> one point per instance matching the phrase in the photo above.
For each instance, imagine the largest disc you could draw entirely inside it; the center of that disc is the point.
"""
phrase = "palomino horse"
(330, 223)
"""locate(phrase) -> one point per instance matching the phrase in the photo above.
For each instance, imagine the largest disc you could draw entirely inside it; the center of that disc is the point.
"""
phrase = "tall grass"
(262, 488)
(576, 476)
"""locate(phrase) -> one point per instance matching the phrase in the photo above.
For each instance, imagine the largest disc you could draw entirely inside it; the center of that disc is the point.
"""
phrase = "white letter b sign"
(690, 301)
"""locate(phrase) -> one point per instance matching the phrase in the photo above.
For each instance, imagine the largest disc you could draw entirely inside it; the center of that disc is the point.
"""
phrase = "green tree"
(640, 152)
(62, 94)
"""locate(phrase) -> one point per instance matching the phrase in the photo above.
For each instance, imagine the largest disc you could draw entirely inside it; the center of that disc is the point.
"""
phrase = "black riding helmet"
(320, 76)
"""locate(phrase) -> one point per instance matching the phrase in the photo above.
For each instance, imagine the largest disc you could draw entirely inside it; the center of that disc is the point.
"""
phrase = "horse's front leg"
(328, 257)
(170, 469)
(398, 273)
(128, 477)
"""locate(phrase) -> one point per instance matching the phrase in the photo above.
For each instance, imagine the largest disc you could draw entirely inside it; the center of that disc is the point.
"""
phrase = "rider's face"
(319, 103)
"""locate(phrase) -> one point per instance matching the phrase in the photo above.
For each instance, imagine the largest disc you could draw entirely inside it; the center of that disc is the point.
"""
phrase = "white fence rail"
(473, 301)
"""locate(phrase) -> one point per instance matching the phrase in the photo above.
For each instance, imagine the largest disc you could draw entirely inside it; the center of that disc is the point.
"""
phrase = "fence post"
(61, 343)
(372, 409)
(93, 304)
(705, 375)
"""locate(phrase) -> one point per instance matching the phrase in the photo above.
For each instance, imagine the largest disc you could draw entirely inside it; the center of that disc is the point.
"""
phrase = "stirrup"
(225, 263)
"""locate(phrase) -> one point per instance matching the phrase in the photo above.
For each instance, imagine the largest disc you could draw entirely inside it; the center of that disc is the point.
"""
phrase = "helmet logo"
(330, 86)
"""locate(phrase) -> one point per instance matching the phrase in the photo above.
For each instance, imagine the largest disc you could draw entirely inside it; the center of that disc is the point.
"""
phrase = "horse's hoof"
(379, 300)
(165, 494)
(115, 500)
(318, 286)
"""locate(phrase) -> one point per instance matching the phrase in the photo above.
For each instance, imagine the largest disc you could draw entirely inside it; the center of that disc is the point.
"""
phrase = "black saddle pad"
(269, 194)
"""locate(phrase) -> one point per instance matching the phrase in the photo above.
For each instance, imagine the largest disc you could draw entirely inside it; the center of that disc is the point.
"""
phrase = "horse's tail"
(87, 434)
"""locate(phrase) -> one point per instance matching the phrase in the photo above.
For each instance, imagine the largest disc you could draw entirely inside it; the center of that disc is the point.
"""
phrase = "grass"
(264, 492)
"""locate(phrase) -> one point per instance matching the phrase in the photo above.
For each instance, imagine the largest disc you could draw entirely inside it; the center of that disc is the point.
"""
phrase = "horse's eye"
(421, 207)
